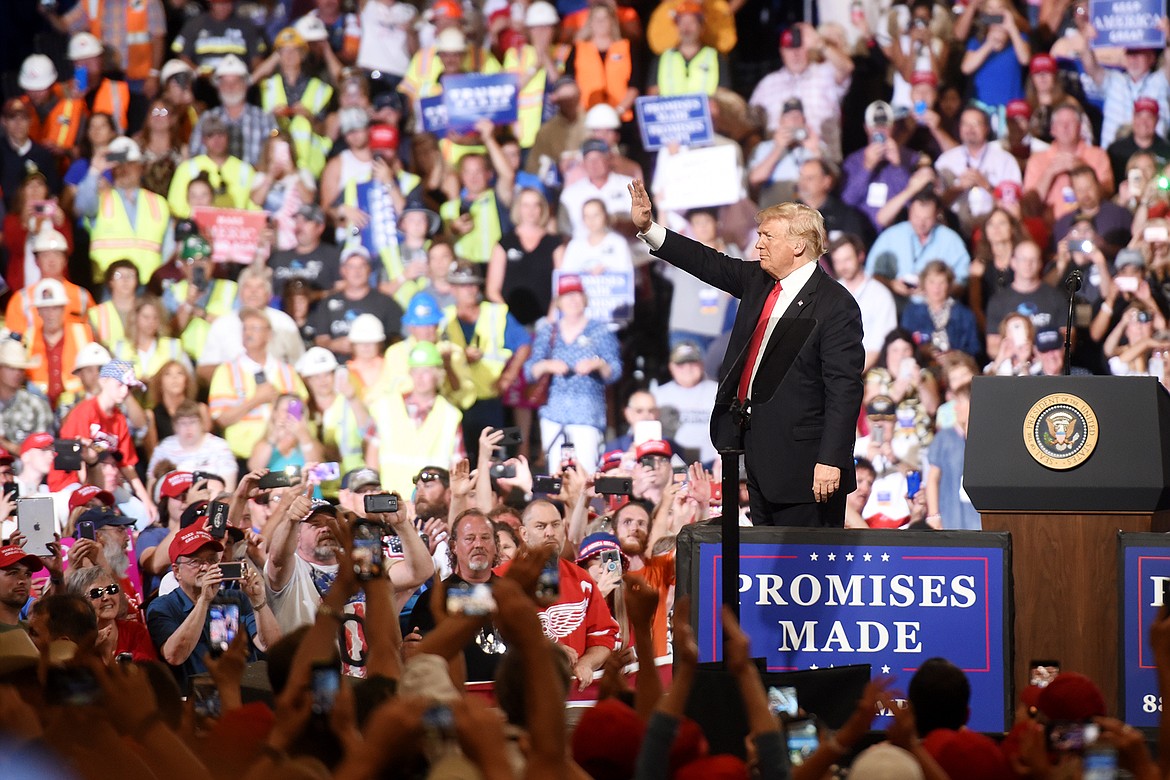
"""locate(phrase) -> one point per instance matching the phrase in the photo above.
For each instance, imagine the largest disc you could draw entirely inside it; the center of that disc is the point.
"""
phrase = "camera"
(1086, 246)
(799, 135)
(503, 470)
(380, 503)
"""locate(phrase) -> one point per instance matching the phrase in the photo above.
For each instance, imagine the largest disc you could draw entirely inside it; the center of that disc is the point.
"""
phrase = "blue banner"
(434, 115)
(1130, 24)
(681, 119)
(471, 97)
(1144, 571)
(610, 294)
(891, 599)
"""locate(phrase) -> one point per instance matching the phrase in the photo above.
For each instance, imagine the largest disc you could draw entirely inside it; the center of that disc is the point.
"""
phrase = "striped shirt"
(1120, 94)
(819, 91)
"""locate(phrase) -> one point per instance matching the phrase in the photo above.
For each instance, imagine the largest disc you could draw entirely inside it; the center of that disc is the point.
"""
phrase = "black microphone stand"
(1072, 284)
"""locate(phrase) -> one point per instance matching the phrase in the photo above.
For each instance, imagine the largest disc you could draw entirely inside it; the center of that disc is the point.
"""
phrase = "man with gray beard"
(473, 553)
(108, 550)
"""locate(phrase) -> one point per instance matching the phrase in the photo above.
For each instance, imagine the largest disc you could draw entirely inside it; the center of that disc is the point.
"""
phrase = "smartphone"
(647, 430)
(464, 207)
(85, 530)
(74, 686)
(199, 278)
(1017, 332)
(802, 740)
(1156, 233)
(782, 701)
(613, 486)
(548, 585)
(367, 550)
(325, 682)
(1127, 284)
(68, 457)
(233, 570)
(503, 470)
(81, 81)
(325, 472)
(217, 519)
(205, 694)
(913, 483)
(274, 479)
(1100, 763)
(474, 600)
(380, 503)
(281, 154)
(797, 40)
(12, 489)
(994, 18)
(568, 456)
(204, 476)
(223, 624)
(43, 208)
(1042, 672)
(1066, 736)
(512, 437)
(548, 485)
(36, 519)
(260, 377)
(295, 409)
(611, 560)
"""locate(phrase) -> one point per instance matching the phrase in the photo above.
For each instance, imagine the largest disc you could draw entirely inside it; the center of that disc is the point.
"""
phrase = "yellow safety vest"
(107, 324)
(489, 338)
(676, 76)
(339, 429)
(231, 384)
(425, 69)
(235, 178)
(311, 147)
(432, 443)
(166, 349)
(477, 245)
(221, 301)
(525, 63)
(112, 238)
(395, 379)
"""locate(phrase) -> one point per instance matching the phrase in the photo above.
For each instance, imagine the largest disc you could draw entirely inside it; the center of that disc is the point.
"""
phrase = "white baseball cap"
(366, 329)
(450, 41)
(37, 72)
(603, 116)
(311, 28)
(541, 14)
(49, 292)
(172, 68)
(231, 65)
(315, 361)
(92, 355)
(123, 145)
(49, 241)
(83, 46)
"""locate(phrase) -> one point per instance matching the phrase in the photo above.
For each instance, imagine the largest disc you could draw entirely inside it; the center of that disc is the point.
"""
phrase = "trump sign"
(1145, 578)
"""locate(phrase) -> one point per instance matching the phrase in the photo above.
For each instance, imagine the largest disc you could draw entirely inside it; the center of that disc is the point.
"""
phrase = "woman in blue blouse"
(939, 322)
(582, 357)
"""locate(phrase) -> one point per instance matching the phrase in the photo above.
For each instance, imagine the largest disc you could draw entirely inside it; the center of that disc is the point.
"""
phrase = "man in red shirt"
(579, 622)
(100, 425)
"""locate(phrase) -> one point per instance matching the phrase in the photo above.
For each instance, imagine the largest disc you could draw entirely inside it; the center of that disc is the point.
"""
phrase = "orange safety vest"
(604, 82)
(60, 127)
(139, 56)
(76, 336)
(113, 98)
(21, 316)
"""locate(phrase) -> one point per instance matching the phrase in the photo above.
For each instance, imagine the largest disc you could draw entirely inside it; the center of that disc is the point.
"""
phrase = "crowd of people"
(260, 302)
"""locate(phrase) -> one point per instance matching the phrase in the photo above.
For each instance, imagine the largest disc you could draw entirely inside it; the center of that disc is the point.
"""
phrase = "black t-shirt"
(333, 316)
(1045, 306)
(205, 41)
(15, 168)
(318, 268)
(483, 653)
(1123, 148)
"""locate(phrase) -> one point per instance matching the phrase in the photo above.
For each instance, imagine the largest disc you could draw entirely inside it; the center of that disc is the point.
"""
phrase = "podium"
(1063, 464)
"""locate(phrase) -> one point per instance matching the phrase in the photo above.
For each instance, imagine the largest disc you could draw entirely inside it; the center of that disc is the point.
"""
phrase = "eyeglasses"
(428, 476)
(159, 111)
(122, 275)
(97, 593)
(650, 461)
(199, 563)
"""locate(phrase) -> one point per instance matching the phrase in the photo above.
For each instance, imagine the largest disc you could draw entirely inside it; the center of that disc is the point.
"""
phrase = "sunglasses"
(159, 112)
(109, 590)
(428, 476)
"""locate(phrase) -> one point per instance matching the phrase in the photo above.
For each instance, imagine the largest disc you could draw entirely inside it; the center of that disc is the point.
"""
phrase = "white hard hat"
(37, 72)
(541, 14)
(124, 146)
(450, 41)
(92, 355)
(315, 361)
(603, 116)
(83, 46)
(311, 28)
(231, 65)
(366, 329)
(172, 68)
(49, 292)
(49, 241)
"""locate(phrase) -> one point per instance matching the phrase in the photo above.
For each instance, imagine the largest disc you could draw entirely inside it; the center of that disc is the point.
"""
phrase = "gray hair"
(79, 581)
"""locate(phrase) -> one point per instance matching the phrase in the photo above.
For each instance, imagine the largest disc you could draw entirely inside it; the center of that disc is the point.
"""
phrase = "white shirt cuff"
(654, 237)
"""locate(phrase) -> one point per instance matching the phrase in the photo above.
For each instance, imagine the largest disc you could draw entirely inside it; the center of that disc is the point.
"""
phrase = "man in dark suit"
(790, 385)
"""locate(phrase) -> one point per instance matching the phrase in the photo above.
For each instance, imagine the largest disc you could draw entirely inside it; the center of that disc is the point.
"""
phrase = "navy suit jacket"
(808, 388)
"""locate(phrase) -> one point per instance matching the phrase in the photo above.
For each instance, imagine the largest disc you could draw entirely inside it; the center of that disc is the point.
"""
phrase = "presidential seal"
(1060, 431)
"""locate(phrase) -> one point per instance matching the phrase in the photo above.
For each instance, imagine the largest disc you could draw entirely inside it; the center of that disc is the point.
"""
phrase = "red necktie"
(745, 379)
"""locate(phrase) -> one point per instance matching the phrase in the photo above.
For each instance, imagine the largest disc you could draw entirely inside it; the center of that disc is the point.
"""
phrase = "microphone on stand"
(1072, 284)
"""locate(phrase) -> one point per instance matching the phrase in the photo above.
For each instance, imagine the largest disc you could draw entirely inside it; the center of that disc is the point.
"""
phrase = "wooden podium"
(1064, 519)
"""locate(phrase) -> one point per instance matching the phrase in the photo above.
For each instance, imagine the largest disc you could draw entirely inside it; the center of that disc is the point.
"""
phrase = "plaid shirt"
(112, 22)
(819, 91)
(247, 134)
(25, 414)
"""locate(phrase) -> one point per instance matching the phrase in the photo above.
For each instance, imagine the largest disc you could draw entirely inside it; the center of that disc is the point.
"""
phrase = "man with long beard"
(631, 526)
(108, 549)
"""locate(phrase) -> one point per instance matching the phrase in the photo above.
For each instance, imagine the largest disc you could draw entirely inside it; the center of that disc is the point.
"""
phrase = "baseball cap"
(608, 738)
(423, 309)
(686, 352)
(787, 39)
(103, 516)
(388, 99)
(594, 145)
(195, 247)
(569, 283)
(11, 555)
(463, 272)
(652, 447)
(384, 138)
(433, 220)
(121, 370)
(311, 212)
(316, 361)
(881, 407)
(967, 755)
(879, 113)
(1071, 696)
(603, 116)
(37, 441)
(424, 355)
(1129, 256)
(595, 544)
(49, 292)
(366, 329)
(354, 250)
(1146, 104)
(191, 540)
(1019, 108)
(611, 460)
(360, 478)
(86, 493)
(176, 483)
(1042, 63)
(924, 77)
(792, 104)
(92, 354)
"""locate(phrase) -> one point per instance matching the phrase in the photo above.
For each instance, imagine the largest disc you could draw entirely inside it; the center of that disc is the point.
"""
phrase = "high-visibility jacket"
(139, 55)
(113, 98)
(77, 335)
(231, 384)
(525, 63)
(404, 448)
(232, 183)
(21, 316)
(166, 349)
(311, 148)
(395, 378)
(221, 301)
(61, 125)
(477, 245)
(112, 238)
(425, 69)
(106, 322)
(488, 337)
(339, 429)
(380, 235)
(678, 76)
(604, 82)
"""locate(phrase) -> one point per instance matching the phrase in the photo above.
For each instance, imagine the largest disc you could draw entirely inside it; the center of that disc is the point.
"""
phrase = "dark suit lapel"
(787, 324)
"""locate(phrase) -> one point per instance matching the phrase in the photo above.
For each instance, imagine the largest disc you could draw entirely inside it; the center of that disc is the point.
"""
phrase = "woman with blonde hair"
(170, 386)
(146, 343)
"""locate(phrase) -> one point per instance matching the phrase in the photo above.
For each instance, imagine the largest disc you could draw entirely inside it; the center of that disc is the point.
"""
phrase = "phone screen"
(326, 682)
(802, 740)
(471, 599)
(223, 625)
(548, 585)
(367, 550)
(782, 700)
(1043, 672)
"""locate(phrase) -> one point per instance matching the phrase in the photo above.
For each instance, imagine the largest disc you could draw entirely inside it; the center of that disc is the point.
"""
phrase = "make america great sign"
(813, 599)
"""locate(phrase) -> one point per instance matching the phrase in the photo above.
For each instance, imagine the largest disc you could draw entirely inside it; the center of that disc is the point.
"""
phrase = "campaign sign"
(1145, 571)
(813, 599)
(1131, 24)
(470, 97)
(681, 119)
(234, 234)
(434, 114)
(610, 294)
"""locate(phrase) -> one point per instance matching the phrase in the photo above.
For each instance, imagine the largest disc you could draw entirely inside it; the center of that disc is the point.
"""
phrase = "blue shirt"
(1000, 79)
(946, 455)
(166, 613)
(898, 254)
(574, 399)
(148, 539)
(961, 329)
